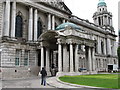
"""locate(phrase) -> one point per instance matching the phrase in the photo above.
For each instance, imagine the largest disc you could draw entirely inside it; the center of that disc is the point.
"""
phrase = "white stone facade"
(24, 55)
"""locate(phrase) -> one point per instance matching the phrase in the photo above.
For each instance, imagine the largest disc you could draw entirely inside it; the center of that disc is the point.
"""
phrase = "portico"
(65, 42)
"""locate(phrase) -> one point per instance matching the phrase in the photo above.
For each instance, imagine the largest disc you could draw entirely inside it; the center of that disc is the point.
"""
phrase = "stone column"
(53, 22)
(93, 59)
(86, 55)
(115, 48)
(103, 20)
(89, 59)
(49, 21)
(71, 58)
(59, 57)
(30, 27)
(63, 20)
(42, 57)
(35, 24)
(65, 59)
(76, 58)
(47, 60)
(110, 21)
(99, 45)
(13, 19)
(97, 22)
(7, 19)
(104, 46)
(107, 20)
(83, 47)
(108, 46)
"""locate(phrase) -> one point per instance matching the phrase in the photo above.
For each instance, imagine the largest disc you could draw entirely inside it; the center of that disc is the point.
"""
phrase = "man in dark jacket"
(43, 76)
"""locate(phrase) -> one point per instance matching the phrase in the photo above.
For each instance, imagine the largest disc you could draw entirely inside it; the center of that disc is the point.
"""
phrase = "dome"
(62, 26)
(101, 3)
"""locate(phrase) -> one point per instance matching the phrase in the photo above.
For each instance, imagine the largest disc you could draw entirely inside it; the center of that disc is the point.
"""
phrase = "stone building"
(42, 34)
(119, 23)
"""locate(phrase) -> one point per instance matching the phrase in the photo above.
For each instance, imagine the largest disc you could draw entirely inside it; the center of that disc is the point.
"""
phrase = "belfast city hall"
(46, 34)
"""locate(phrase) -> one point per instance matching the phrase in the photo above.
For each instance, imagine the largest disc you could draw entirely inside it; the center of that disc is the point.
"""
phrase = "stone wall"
(101, 62)
(24, 10)
(9, 51)
(10, 70)
(19, 72)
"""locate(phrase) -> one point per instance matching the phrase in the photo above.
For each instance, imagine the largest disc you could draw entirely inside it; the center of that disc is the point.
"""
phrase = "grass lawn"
(99, 80)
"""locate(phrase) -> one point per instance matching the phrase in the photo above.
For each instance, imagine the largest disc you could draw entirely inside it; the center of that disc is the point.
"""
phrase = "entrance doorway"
(49, 53)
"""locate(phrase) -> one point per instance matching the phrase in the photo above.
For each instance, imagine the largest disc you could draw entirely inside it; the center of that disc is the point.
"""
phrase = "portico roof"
(68, 24)
(66, 36)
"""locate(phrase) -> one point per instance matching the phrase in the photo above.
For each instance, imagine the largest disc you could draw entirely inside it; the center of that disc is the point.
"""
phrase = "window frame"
(28, 53)
(39, 27)
(19, 56)
(19, 24)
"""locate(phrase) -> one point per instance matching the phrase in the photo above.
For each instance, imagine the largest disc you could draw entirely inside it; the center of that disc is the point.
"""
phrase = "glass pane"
(39, 28)
(16, 61)
(26, 61)
(18, 27)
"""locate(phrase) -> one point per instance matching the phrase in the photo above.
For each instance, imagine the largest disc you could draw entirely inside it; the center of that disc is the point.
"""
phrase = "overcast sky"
(85, 8)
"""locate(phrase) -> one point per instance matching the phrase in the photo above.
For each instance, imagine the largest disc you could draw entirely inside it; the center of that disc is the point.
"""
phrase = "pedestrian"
(43, 76)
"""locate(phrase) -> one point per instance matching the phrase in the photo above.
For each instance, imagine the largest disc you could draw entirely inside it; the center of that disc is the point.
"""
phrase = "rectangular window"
(26, 58)
(18, 57)
(79, 47)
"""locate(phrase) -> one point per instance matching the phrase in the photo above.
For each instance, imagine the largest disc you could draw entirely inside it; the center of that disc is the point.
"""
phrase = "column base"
(68, 73)
(75, 73)
(92, 72)
(48, 73)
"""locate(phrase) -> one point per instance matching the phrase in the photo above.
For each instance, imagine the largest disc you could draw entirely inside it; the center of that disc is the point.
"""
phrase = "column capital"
(35, 9)
(30, 6)
(41, 44)
(48, 13)
(59, 41)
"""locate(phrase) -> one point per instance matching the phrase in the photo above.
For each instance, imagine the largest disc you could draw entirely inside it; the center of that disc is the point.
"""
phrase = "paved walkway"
(52, 82)
(55, 82)
(33, 82)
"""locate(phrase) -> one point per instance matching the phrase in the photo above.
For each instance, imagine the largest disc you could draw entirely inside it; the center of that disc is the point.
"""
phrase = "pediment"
(58, 5)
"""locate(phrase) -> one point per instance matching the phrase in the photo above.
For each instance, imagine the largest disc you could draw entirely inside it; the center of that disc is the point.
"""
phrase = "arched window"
(39, 27)
(99, 19)
(96, 46)
(102, 47)
(18, 26)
